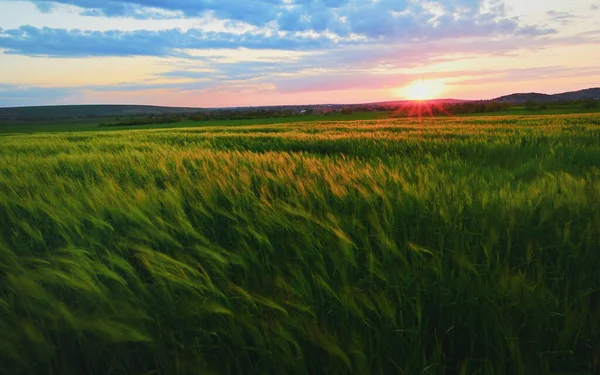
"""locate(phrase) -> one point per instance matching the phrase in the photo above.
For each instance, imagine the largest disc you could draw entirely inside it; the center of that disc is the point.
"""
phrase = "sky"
(225, 53)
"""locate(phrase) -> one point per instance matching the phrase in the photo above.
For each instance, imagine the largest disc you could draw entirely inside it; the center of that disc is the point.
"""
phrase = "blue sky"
(209, 53)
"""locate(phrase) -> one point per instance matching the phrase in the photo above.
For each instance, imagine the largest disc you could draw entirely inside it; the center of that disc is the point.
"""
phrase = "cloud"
(351, 68)
(281, 47)
(369, 25)
(344, 18)
(255, 11)
(564, 18)
(340, 82)
(238, 71)
(13, 95)
(188, 74)
(207, 92)
(530, 74)
(199, 84)
(51, 42)
(45, 7)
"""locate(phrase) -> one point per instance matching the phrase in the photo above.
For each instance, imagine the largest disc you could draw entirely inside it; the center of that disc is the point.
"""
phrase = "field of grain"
(450, 246)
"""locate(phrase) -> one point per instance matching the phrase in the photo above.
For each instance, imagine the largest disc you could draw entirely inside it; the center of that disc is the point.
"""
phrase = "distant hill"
(593, 93)
(60, 112)
(89, 111)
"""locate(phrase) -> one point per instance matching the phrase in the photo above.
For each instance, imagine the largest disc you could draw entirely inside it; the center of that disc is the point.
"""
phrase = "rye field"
(447, 246)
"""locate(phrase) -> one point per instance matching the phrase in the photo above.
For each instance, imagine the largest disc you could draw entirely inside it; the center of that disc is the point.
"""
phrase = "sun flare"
(422, 90)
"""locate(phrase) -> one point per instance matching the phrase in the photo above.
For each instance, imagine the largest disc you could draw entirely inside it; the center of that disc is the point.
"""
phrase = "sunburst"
(422, 90)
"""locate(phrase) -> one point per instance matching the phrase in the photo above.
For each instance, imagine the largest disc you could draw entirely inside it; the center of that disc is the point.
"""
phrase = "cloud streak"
(51, 42)
(372, 19)
(563, 18)
(54, 42)
(14, 95)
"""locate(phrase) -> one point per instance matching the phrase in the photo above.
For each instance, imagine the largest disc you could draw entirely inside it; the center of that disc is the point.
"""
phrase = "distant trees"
(529, 105)
(590, 104)
(535, 106)
(562, 104)
(442, 109)
(210, 115)
(470, 107)
(475, 107)
(134, 121)
(405, 110)
(246, 114)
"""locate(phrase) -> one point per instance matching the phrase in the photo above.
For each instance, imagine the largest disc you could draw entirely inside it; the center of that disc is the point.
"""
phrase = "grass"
(76, 125)
(448, 246)
(91, 124)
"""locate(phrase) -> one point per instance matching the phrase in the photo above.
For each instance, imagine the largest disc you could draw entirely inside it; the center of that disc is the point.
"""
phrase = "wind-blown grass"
(454, 246)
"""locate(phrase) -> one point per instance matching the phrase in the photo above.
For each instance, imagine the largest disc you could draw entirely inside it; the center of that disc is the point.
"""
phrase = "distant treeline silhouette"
(403, 110)
(247, 114)
(587, 104)
(157, 119)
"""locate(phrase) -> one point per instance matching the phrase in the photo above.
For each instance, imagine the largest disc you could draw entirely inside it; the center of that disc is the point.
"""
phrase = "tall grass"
(454, 246)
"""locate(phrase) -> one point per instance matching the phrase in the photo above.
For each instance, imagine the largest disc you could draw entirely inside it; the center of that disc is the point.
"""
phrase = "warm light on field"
(301, 248)
(422, 90)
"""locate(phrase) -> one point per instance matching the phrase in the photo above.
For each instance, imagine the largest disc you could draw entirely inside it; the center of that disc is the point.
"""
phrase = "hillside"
(60, 112)
(79, 111)
(592, 93)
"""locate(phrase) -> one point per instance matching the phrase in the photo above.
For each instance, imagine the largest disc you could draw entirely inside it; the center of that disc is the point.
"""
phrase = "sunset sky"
(209, 53)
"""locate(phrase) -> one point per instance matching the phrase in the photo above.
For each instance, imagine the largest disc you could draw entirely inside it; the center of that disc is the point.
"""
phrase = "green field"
(76, 125)
(450, 246)
(80, 120)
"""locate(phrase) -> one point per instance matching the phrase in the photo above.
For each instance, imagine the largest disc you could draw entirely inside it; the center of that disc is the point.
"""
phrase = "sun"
(422, 90)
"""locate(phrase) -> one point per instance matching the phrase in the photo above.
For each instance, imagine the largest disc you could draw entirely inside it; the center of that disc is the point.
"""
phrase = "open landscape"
(455, 245)
(299, 187)
(101, 117)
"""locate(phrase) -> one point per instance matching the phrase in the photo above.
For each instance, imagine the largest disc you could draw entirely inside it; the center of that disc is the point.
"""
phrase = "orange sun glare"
(422, 90)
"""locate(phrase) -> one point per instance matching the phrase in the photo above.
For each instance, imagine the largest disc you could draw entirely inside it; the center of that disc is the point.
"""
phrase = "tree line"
(404, 110)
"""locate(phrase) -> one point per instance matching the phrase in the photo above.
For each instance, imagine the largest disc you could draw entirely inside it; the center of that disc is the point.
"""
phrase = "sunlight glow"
(422, 90)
